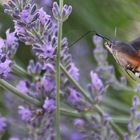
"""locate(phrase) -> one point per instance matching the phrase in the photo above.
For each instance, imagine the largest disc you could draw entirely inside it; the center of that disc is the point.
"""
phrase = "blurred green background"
(103, 16)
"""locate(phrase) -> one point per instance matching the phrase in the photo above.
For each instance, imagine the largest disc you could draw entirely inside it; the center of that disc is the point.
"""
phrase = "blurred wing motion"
(128, 56)
(136, 44)
(134, 59)
(128, 61)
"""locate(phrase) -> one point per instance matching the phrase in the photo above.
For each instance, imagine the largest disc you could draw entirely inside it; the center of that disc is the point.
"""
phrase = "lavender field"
(58, 81)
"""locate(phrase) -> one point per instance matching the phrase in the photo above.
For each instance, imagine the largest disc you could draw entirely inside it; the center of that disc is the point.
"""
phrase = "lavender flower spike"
(133, 124)
(96, 82)
(96, 87)
(64, 14)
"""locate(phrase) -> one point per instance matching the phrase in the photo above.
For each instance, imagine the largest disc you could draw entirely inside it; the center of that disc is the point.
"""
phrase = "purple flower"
(73, 96)
(73, 71)
(14, 138)
(2, 43)
(105, 119)
(55, 10)
(33, 68)
(97, 40)
(44, 51)
(3, 124)
(5, 68)
(137, 114)
(43, 17)
(132, 110)
(48, 84)
(48, 51)
(19, 29)
(133, 123)
(66, 11)
(96, 83)
(137, 87)
(76, 136)
(25, 16)
(135, 101)
(130, 125)
(21, 86)
(126, 136)
(8, 48)
(137, 128)
(10, 38)
(79, 122)
(25, 113)
(49, 105)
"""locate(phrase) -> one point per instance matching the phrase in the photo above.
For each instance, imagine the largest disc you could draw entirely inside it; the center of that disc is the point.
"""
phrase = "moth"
(126, 55)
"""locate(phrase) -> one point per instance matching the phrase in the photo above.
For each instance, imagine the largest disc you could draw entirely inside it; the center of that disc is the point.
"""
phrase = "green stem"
(120, 119)
(16, 69)
(70, 113)
(60, 24)
(13, 90)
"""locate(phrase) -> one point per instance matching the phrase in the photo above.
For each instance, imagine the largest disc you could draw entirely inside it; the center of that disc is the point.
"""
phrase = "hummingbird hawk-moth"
(126, 55)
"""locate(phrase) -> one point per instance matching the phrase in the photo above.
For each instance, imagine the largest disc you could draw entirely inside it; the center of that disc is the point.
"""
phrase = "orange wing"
(124, 59)
(135, 62)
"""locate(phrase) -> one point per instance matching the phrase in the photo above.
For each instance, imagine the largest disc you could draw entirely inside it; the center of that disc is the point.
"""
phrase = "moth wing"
(124, 59)
(136, 44)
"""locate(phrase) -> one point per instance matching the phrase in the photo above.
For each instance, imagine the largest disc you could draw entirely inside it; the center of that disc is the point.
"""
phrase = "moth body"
(126, 54)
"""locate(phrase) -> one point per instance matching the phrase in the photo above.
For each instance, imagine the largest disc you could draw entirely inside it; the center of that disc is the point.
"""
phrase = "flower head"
(25, 113)
(3, 124)
(73, 71)
(96, 83)
(10, 38)
(5, 68)
(48, 83)
(49, 105)
(22, 86)
(79, 122)
(74, 96)
(43, 17)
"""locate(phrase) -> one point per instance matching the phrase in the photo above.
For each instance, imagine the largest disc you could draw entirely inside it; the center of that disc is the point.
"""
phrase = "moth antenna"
(82, 36)
(115, 32)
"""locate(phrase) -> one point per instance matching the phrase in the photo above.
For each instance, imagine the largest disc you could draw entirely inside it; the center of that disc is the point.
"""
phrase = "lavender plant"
(49, 86)
(133, 124)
